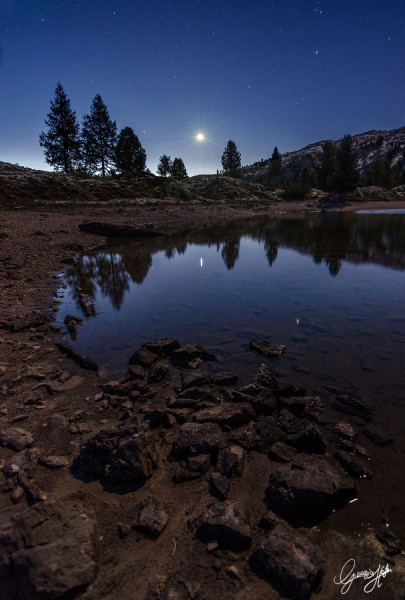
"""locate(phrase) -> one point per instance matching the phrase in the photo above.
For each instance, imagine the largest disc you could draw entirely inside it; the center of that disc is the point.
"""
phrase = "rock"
(135, 373)
(209, 394)
(353, 406)
(71, 323)
(163, 347)
(197, 438)
(135, 459)
(190, 356)
(114, 388)
(194, 379)
(200, 463)
(281, 452)
(291, 391)
(224, 379)
(194, 403)
(355, 466)
(260, 436)
(87, 304)
(309, 487)
(297, 405)
(377, 436)
(266, 377)
(344, 430)
(152, 518)
(16, 438)
(226, 523)
(54, 461)
(264, 402)
(83, 361)
(309, 439)
(159, 418)
(290, 561)
(143, 357)
(48, 551)
(267, 348)
(269, 521)
(231, 461)
(229, 415)
(288, 422)
(219, 486)
(158, 372)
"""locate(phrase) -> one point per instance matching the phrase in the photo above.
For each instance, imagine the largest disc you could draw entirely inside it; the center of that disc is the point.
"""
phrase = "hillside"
(390, 144)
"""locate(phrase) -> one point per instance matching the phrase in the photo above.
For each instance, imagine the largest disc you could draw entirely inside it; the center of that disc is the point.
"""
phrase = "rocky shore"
(173, 482)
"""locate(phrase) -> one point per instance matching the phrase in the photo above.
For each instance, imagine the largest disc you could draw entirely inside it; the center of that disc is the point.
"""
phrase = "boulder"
(309, 439)
(229, 415)
(226, 523)
(309, 487)
(158, 372)
(190, 356)
(197, 438)
(48, 551)
(266, 377)
(135, 459)
(16, 438)
(135, 373)
(260, 436)
(231, 461)
(152, 518)
(163, 347)
(290, 561)
(192, 379)
(267, 348)
(143, 357)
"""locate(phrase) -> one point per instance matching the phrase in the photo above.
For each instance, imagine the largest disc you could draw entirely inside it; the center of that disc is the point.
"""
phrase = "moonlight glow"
(200, 137)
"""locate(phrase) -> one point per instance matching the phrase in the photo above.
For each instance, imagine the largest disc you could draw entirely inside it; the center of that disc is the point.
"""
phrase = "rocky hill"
(389, 144)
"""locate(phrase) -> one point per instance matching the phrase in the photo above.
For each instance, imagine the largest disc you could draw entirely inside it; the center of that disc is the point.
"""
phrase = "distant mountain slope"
(390, 144)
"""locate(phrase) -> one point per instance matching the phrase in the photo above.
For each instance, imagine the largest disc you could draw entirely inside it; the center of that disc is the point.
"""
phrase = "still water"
(331, 287)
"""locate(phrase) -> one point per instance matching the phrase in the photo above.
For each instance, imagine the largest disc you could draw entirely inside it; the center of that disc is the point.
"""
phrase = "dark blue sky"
(262, 73)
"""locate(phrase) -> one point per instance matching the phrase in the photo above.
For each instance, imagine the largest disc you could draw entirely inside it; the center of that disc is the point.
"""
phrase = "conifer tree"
(327, 168)
(347, 174)
(61, 142)
(165, 165)
(178, 170)
(129, 156)
(231, 160)
(98, 137)
(275, 169)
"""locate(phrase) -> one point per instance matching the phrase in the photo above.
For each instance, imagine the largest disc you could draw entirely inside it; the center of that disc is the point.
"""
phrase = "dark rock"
(135, 373)
(231, 461)
(219, 486)
(197, 438)
(194, 379)
(158, 417)
(190, 356)
(16, 438)
(353, 406)
(83, 361)
(266, 377)
(158, 372)
(110, 230)
(143, 357)
(208, 394)
(297, 405)
(87, 304)
(310, 486)
(69, 260)
(135, 459)
(355, 466)
(163, 347)
(192, 403)
(281, 452)
(48, 551)
(267, 348)
(152, 518)
(200, 463)
(53, 461)
(226, 523)
(344, 430)
(290, 561)
(114, 388)
(291, 390)
(250, 390)
(264, 402)
(389, 540)
(181, 415)
(350, 447)
(377, 436)
(269, 521)
(224, 379)
(309, 439)
(260, 436)
(288, 422)
(228, 415)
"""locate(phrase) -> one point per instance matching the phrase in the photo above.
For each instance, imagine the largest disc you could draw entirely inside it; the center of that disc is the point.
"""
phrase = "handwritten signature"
(373, 578)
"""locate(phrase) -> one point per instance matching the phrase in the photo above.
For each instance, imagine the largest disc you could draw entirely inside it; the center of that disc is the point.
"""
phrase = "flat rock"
(281, 452)
(353, 465)
(152, 517)
(48, 551)
(54, 461)
(267, 348)
(16, 438)
(226, 523)
(310, 485)
(290, 561)
(229, 415)
(344, 430)
(352, 406)
(163, 347)
(190, 356)
(197, 438)
(224, 379)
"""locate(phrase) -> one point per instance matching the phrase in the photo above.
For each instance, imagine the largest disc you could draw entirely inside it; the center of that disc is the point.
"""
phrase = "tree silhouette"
(61, 142)
(129, 156)
(178, 170)
(231, 160)
(347, 175)
(275, 169)
(327, 167)
(165, 166)
(98, 137)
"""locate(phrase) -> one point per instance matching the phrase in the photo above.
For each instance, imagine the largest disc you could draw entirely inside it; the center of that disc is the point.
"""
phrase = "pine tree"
(61, 142)
(275, 169)
(98, 137)
(327, 168)
(129, 156)
(165, 165)
(178, 170)
(231, 160)
(347, 175)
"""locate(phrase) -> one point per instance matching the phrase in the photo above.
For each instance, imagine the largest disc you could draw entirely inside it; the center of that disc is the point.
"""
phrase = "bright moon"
(200, 137)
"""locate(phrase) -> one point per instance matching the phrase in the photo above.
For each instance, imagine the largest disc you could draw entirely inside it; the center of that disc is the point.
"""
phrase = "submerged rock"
(267, 348)
(163, 347)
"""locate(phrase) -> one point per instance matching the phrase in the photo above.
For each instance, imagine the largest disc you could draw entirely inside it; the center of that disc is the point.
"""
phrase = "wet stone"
(190, 356)
(226, 523)
(135, 372)
(267, 348)
(344, 430)
(281, 452)
(353, 465)
(353, 406)
(297, 405)
(219, 486)
(143, 357)
(163, 347)
(290, 561)
(230, 415)
(291, 390)
(266, 377)
(224, 379)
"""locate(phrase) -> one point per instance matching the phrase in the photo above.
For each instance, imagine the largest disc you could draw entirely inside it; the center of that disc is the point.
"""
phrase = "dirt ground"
(55, 399)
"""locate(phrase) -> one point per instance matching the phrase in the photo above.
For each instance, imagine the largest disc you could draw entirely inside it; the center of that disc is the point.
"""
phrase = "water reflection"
(329, 238)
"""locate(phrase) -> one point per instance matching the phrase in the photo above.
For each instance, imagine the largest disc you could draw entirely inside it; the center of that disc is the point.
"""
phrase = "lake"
(329, 286)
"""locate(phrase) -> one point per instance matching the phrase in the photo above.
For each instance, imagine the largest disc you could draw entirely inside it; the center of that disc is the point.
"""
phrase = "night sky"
(280, 73)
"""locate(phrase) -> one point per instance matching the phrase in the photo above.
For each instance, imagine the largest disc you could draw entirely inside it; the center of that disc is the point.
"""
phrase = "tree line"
(95, 147)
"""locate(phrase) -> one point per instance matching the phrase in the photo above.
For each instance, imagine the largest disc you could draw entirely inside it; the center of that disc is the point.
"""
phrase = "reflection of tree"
(230, 253)
(334, 265)
(112, 277)
(271, 250)
(138, 264)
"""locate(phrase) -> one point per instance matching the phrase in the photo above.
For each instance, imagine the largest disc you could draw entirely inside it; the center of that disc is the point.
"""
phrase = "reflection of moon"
(200, 137)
